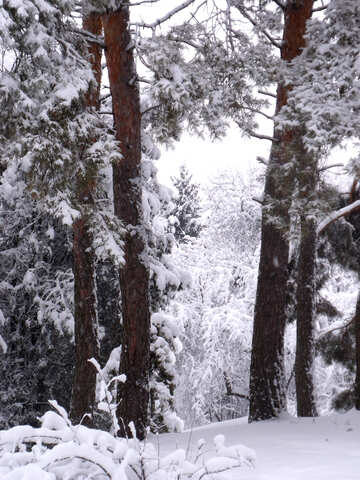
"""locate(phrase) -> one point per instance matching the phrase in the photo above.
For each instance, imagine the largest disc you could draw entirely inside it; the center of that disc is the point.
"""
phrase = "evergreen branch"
(256, 25)
(336, 215)
(166, 17)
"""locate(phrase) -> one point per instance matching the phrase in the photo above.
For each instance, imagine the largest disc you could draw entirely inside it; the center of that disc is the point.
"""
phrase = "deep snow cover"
(288, 448)
(324, 448)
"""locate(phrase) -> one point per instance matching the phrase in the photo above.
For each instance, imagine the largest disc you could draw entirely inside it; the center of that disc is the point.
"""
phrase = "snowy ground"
(287, 449)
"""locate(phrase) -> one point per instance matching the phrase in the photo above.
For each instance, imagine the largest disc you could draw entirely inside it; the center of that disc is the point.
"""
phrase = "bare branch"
(322, 334)
(262, 160)
(280, 4)
(166, 17)
(262, 137)
(149, 109)
(319, 9)
(336, 215)
(106, 112)
(141, 2)
(269, 94)
(256, 25)
(255, 110)
(330, 166)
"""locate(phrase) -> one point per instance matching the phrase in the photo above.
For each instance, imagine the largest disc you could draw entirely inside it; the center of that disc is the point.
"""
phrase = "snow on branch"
(256, 25)
(336, 215)
(166, 17)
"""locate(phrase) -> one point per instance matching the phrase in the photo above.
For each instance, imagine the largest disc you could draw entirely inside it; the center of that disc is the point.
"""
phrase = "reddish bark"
(86, 341)
(134, 277)
(267, 385)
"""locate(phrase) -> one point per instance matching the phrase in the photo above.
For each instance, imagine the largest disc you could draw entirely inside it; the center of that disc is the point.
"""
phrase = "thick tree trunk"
(86, 338)
(267, 385)
(134, 276)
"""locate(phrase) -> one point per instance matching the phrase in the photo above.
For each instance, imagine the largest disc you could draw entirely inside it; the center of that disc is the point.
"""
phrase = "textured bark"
(86, 341)
(86, 346)
(305, 312)
(134, 276)
(357, 348)
(267, 385)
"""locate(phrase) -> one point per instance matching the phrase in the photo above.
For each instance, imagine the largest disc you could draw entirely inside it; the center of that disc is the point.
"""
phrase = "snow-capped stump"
(245, 455)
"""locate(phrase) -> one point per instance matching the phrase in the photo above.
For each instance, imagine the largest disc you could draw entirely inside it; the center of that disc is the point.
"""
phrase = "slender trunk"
(267, 385)
(305, 310)
(307, 176)
(86, 338)
(134, 276)
(357, 349)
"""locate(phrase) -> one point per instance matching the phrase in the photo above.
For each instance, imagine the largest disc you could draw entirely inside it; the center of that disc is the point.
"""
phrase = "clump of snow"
(60, 450)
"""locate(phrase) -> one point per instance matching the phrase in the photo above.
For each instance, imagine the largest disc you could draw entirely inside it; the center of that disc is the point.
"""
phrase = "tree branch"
(256, 25)
(91, 38)
(336, 215)
(269, 94)
(319, 9)
(330, 166)
(262, 137)
(229, 389)
(255, 110)
(141, 2)
(166, 17)
(322, 334)
(280, 4)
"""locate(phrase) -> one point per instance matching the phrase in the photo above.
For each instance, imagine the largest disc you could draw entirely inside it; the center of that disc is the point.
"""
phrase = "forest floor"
(325, 448)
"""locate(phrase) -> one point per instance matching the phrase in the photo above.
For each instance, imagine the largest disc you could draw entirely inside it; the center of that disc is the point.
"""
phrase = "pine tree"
(186, 213)
(267, 385)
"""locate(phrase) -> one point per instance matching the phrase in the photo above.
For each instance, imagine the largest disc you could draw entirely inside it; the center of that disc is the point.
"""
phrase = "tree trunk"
(357, 349)
(305, 312)
(86, 338)
(133, 396)
(267, 385)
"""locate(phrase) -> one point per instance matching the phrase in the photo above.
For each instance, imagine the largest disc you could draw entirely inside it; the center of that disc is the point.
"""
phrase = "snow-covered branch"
(336, 215)
(266, 34)
(166, 17)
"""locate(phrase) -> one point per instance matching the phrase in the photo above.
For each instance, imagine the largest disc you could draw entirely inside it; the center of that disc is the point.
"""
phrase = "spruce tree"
(185, 216)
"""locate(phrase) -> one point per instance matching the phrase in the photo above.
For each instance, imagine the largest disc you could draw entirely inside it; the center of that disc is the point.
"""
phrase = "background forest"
(134, 307)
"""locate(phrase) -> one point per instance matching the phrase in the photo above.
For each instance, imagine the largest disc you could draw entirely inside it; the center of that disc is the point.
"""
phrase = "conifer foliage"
(185, 216)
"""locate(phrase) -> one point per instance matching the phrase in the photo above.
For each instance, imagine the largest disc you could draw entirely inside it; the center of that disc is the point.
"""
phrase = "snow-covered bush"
(60, 450)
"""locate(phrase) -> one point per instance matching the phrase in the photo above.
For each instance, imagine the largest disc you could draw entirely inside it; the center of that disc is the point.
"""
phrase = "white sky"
(205, 159)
